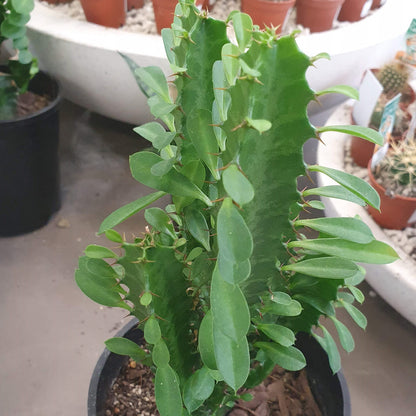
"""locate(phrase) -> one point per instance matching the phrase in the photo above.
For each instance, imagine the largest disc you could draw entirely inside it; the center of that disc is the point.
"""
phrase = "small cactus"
(399, 166)
(393, 77)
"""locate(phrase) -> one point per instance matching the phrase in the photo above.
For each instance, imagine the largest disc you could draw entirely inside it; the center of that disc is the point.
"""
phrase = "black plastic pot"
(330, 391)
(29, 164)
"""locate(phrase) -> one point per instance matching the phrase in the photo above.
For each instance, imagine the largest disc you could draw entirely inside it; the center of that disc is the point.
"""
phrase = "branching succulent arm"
(223, 279)
(14, 14)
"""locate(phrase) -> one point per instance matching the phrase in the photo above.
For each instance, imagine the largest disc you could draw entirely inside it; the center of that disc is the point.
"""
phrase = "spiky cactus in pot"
(393, 76)
(222, 279)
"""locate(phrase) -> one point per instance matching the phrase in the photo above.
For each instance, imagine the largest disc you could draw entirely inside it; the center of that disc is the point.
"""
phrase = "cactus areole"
(223, 279)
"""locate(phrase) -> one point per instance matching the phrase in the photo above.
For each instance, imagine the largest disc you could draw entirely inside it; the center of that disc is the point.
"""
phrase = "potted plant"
(354, 10)
(109, 13)
(134, 4)
(29, 130)
(268, 12)
(223, 280)
(394, 77)
(394, 178)
(317, 15)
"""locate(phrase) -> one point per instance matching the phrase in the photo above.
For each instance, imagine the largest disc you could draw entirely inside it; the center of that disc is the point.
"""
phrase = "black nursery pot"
(330, 391)
(29, 164)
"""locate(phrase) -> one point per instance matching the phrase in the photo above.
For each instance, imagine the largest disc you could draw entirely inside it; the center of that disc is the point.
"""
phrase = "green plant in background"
(393, 76)
(14, 14)
(223, 279)
(399, 165)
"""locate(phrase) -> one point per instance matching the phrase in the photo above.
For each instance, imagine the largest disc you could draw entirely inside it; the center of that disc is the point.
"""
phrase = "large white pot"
(395, 282)
(83, 56)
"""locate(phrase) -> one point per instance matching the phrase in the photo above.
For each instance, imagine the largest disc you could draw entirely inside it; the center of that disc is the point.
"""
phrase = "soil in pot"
(317, 15)
(283, 393)
(267, 12)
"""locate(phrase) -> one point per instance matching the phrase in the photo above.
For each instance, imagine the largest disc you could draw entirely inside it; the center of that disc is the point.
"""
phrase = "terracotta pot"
(205, 4)
(361, 151)
(317, 15)
(377, 4)
(164, 11)
(110, 13)
(354, 10)
(134, 4)
(395, 212)
(268, 13)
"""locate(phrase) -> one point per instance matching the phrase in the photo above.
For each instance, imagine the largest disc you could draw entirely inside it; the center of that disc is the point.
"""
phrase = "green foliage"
(222, 280)
(14, 14)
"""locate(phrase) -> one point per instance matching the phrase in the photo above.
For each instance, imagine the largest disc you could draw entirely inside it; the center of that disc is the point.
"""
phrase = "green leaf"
(289, 358)
(230, 54)
(324, 267)
(126, 211)
(345, 337)
(293, 308)
(173, 182)
(151, 331)
(160, 354)
(352, 183)
(251, 72)
(156, 134)
(146, 299)
(366, 133)
(260, 125)
(114, 236)
(278, 333)
(155, 79)
(233, 359)
(163, 167)
(198, 388)
(351, 229)
(358, 317)
(234, 238)
(124, 346)
(358, 295)
(357, 278)
(375, 252)
(315, 205)
(98, 252)
(19, 19)
(199, 126)
(161, 109)
(335, 191)
(167, 392)
(233, 273)
(21, 43)
(12, 31)
(206, 341)
(23, 6)
(229, 308)
(197, 226)
(25, 57)
(243, 25)
(237, 186)
(160, 221)
(328, 344)
(346, 90)
(222, 97)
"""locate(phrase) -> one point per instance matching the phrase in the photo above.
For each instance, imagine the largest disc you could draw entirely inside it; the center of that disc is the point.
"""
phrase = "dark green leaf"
(233, 273)
(155, 79)
(243, 26)
(325, 267)
(375, 252)
(345, 337)
(167, 392)
(289, 358)
(237, 186)
(328, 344)
(206, 341)
(128, 210)
(352, 229)
(230, 54)
(198, 388)
(114, 236)
(124, 346)
(197, 226)
(346, 90)
(156, 134)
(352, 183)
(278, 333)
(160, 221)
(173, 182)
(98, 252)
(160, 354)
(151, 331)
(364, 132)
(358, 295)
(229, 308)
(234, 238)
(335, 191)
(355, 314)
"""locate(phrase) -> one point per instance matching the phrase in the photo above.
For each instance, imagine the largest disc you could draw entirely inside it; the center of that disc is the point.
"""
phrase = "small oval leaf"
(237, 186)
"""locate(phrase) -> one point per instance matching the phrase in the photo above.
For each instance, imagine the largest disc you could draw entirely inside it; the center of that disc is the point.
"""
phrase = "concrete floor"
(52, 335)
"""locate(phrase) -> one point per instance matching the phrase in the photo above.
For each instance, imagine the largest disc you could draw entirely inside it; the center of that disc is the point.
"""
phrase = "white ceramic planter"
(396, 282)
(84, 58)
